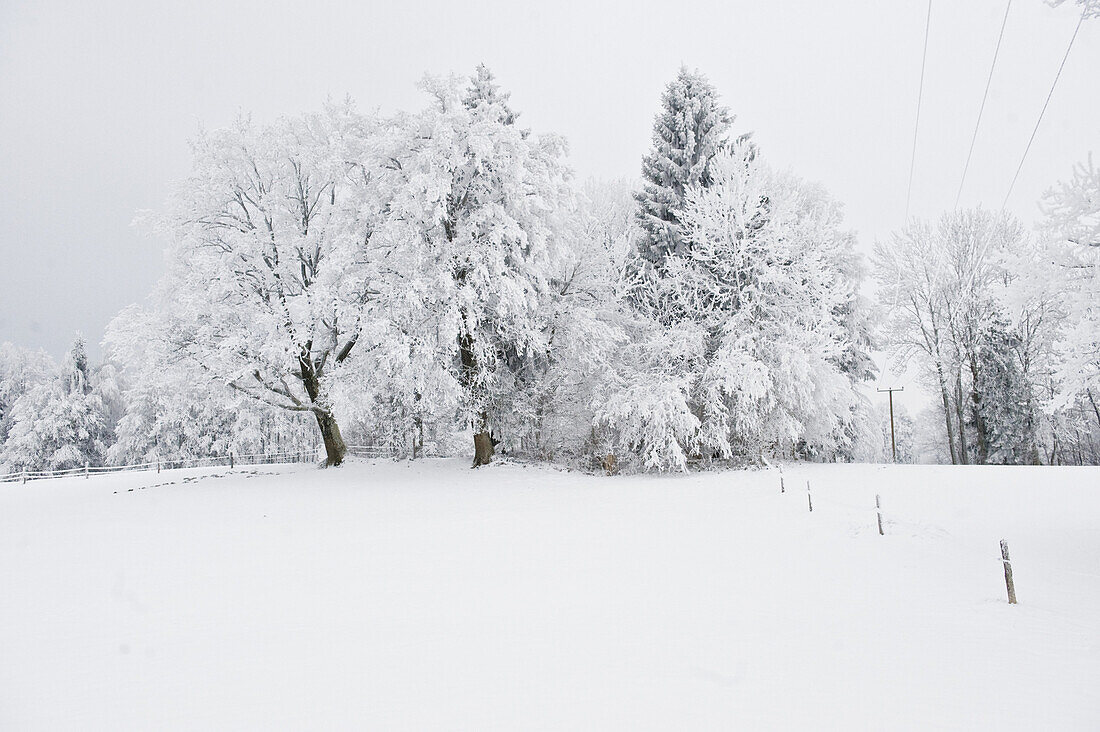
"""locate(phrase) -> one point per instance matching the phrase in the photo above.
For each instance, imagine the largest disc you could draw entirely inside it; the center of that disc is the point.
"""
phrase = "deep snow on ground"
(419, 596)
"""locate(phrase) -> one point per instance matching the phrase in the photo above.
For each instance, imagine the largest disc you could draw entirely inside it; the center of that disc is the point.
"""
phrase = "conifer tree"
(59, 424)
(687, 133)
(485, 93)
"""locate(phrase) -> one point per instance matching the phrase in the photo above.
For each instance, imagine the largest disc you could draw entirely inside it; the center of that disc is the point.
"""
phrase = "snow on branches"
(1089, 8)
(748, 346)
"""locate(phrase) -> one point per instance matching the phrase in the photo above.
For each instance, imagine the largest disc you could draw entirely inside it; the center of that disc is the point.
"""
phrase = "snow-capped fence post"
(809, 497)
(782, 488)
(1008, 573)
(24, 476)
(878, 510)
(85, 470)
(230, 459)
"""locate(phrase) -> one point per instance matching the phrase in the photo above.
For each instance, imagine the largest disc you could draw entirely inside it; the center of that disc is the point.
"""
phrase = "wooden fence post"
(85, 470)
(878, 510)
(782, 488)
(24, 476)
(1008, 573)
(809, 497)
(230, 459)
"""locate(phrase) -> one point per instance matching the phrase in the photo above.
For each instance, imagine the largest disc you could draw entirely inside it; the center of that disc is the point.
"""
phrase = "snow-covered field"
(430, 596)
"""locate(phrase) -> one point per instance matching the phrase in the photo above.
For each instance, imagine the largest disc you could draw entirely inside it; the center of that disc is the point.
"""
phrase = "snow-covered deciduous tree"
(20, 370)
(903, 433)
(481, 220)
(273, 267)
(61, 423)
(772, 277)
(174, 410)
(1071, 229)
(945, 289)
(750, 344)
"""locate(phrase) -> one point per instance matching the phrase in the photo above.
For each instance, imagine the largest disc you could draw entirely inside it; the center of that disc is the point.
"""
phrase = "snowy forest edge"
(436, 283)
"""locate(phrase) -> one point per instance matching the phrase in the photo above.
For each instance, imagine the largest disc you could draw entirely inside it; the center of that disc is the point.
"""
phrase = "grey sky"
(98, 100)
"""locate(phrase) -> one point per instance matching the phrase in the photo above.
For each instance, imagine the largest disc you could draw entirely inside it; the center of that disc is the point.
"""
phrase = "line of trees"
(1004, 327)
(432, 279)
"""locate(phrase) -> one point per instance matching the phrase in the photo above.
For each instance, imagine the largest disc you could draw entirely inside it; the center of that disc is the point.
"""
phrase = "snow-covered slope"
(429, 596)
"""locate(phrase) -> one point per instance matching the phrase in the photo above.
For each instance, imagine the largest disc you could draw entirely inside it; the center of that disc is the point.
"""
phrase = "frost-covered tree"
(273, 269)
(1071, 229)
(903, 433)
(688, 132)
(173, 410)
(944, 289)
(772, 277)
(61, 423)
(20, 370)
(484, 92)
(751, 346)
(480, 220)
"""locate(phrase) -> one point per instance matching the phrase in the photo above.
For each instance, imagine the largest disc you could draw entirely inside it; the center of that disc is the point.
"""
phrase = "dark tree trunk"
(1095, 409)
(335, 449)
(483, 449)
(484, 445)
(964, 457)
(947, 415)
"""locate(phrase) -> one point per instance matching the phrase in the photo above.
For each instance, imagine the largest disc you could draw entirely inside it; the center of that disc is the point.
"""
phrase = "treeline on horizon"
(437, 283)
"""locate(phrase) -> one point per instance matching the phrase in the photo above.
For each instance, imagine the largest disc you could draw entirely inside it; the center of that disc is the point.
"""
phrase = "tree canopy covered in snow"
(422, 280)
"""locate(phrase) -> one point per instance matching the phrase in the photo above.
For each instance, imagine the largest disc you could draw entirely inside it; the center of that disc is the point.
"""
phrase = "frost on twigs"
(1089, 8)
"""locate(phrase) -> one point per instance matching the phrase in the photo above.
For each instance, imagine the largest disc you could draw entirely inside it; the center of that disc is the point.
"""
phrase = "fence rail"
(308, 455)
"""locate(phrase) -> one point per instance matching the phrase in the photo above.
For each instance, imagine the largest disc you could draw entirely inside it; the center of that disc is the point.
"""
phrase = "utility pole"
(893, 442)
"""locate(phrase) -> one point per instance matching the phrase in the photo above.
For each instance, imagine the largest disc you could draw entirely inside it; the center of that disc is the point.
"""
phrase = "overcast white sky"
(98, 100)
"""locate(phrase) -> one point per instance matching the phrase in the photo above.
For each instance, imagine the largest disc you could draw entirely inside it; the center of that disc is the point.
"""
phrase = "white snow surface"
(426, 595)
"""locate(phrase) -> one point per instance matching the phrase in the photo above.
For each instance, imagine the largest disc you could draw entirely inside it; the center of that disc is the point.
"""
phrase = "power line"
(1044, 109)
(981, 109)
(920, 96)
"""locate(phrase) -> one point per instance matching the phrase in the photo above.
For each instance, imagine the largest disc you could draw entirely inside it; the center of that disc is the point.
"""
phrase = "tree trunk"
(483, 449)
(484, 446)
(964, 458)
(335, 449)
(1095, 409)
(980, 429)
(947, 413)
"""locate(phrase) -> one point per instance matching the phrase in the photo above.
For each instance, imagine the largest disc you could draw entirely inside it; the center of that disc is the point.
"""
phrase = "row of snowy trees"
(59, 417)
(411, 278)
(420, 279)
(1004, 326)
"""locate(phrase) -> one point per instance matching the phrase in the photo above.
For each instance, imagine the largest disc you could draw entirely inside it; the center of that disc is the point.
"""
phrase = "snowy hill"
(430, 596)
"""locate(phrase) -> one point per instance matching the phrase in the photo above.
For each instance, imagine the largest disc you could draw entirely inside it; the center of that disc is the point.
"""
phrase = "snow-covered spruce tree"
(61, 423)
(1003, 411)
(688, 132)
(272, 268)
(752, 342)
(481, 214)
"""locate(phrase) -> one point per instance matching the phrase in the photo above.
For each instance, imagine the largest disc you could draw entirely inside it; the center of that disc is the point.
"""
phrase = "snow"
(425, 595)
